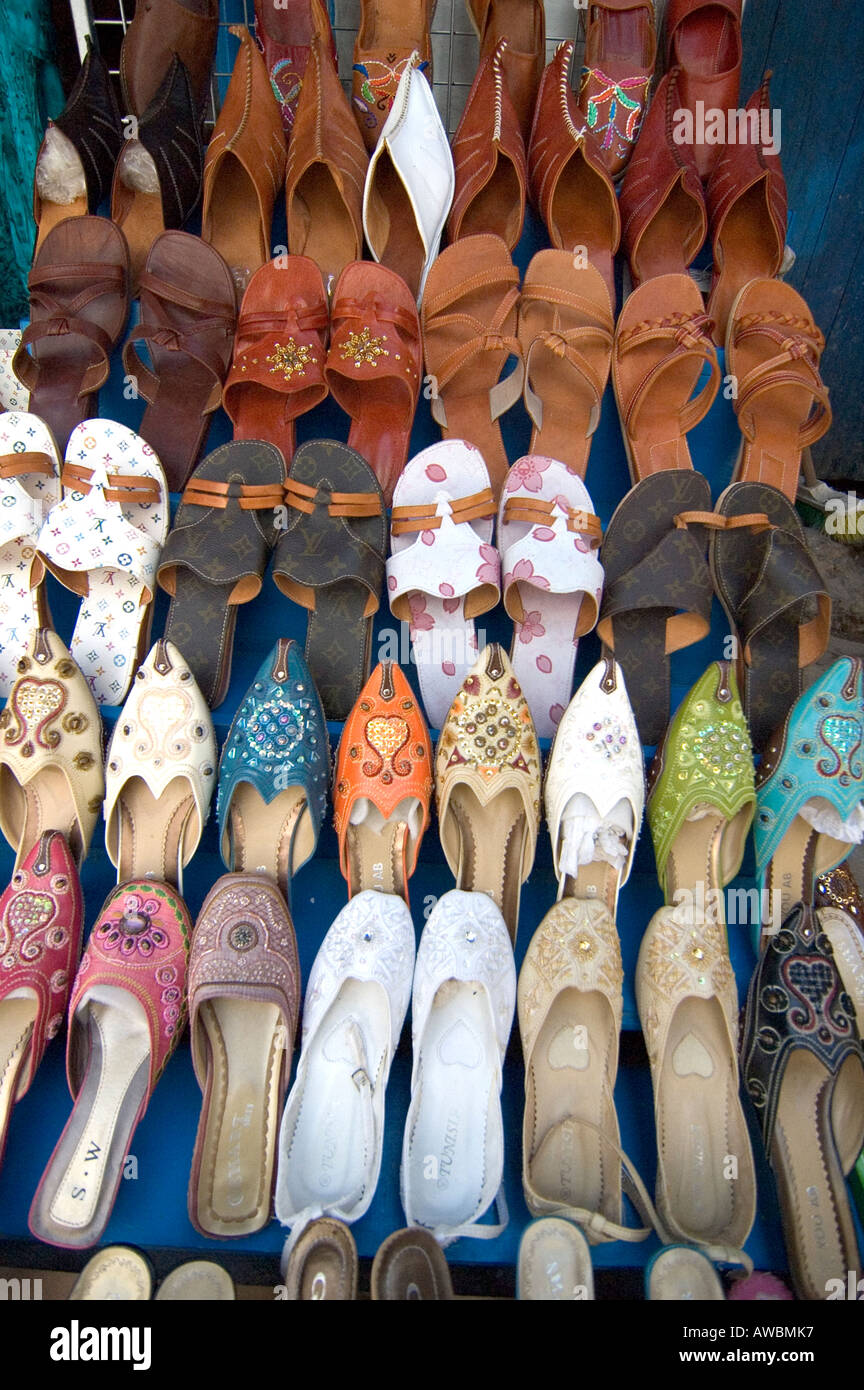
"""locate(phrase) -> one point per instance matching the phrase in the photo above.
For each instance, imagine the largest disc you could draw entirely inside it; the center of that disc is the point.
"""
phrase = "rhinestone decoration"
(289, 359)
(607, 737)
(387, 735)
(243, 936)
(364, 347)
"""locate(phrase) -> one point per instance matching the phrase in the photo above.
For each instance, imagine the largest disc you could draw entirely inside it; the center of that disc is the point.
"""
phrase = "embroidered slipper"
(118, 1273)
(126, 1015)
(103, 541)
(217, 552)
(487, 783)
(29, 486)
(161, 771)
(382, 785)
(553, 581)
(41, 919)
(51, 770)
(443, 571)
(244, 998)
(274, 772)
(330, 559)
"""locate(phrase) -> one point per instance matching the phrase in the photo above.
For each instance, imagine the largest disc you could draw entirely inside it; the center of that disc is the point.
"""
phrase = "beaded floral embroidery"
(133, 930)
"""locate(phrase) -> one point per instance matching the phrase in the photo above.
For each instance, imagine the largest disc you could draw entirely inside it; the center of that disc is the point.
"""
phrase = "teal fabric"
(30, 92)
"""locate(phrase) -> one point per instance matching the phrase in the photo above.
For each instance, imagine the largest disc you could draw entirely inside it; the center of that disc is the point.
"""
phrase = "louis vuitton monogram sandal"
(29, 486)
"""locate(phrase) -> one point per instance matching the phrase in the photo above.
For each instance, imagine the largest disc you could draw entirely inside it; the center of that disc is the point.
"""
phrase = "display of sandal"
(382, 785)
(443, 571)
(330, 560)
(491, 172)
(274, 772)
(322, 1263)
(553, 581)
(159, 32)
(703, 38)
(554, 1264)
(617, 67)
(390, 39)
(244, 998)
(115, 1272)
(356, 1000)
(803, 1065)
(778, 607)
(487, 785)
(103, 541)
(375, 365)
(773, 349)
(29, 487)
(126, 1015)
(216, 554)
(51, 775)
(160, 773)
(277, 372)
(469, 319)
(462, 1010)
(523, 24)
(565, 330)
(570, 186)
(284, 36)
(409, 1265)
(41, 920)
(79, 303)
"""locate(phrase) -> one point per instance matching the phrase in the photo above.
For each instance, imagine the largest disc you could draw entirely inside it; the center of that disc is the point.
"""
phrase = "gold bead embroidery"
(289, 359)
(364, 348)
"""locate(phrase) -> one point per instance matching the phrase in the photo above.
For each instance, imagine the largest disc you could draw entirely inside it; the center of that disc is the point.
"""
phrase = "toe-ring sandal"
(79, 303)
(126, 1014)
(443, 571)
(51, 769)
(274, 772)
(244, 998)
(810, 791)
(773, 349)
(470, 322)
(662, 344)
(160, 773)
(382, 785)
(803, 1066)
(774, 597)
(187, 324)
(330, 559)
(29, 486)
(553, 582)
(375, 365)
(103, 541)
(565, 328)
(658, 591)
(487, 784)
(278, 368)
(217, 552)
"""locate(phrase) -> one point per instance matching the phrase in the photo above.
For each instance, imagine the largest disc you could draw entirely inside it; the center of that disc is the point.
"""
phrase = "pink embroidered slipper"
(41, 916)
(553, 581)
(126, 1014)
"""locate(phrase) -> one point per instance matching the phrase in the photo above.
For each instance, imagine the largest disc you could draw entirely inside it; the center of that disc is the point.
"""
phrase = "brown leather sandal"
(489, 160)
(662, 344)
(79, 303)
(773, 349)
(469, 318)
(187, 322)
(565, 328)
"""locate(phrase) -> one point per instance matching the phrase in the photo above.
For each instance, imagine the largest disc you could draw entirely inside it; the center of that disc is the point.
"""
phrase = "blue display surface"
(151, 1206)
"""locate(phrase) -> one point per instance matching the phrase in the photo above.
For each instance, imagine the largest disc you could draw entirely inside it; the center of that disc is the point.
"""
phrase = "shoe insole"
(800, 857)
(199, 1280)
(566, 398)
(108, 632)
(326, 1275)
(174, 422)
(376, 855)
(708, 45)
(339, 645)
(272, 839)
(554, 1263)
(491, 847)
(393, 223)
(597, 880)
(116, 1274)
(455, 1110)
(17, 1017)
(661, 250)
(679, 1274)
(568, 1082)
(774, 454)
(142, 222)
(544, 665)
(22, 609)
(152, 830)
(749, 247)
(52, 213)
(658, 442)
(200, 623)
(444, 653)
(74, 1199)
(500, 194)
(694, 859)
(625, 41)
(319, 225)
(324, 1159)
(236, 1144)
(235, 227)
(581, 213)
(814, 1203)
(45, 803)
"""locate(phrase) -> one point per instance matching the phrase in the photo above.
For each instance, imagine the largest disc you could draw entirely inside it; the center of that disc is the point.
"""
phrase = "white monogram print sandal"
(29, 485)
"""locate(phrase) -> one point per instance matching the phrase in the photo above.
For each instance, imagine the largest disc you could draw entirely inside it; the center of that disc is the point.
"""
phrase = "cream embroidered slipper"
(29, 486)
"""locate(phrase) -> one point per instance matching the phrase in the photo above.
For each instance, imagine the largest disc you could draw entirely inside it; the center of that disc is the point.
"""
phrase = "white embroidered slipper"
(103, 541)
(29, 486)
(553, 581)
(444, 570)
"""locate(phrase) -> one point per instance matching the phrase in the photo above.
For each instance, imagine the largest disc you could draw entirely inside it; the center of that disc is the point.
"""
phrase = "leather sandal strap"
(26, 368)
(175, 341)
(422, 516)
(175, 294)
(770, 375)
(304, 498)
(252, 497)
(374, 306)
(691, 339)
(484, 279)
(562, 344)
(786, 577)
(568, 299)
(126, 487)
(15, 465)
(307, 317)
(539, 512)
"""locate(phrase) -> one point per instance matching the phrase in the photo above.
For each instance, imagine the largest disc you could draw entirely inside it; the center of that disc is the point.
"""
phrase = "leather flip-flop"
(277, 371)
(375, 365)
(29, 486)
(187, 325)
(657, 596)
(330, 559)
(244, 998)
(774, 597)
(79, 303)
(487, 783)
(126, 1014)
(382, 785)
(217, 552)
